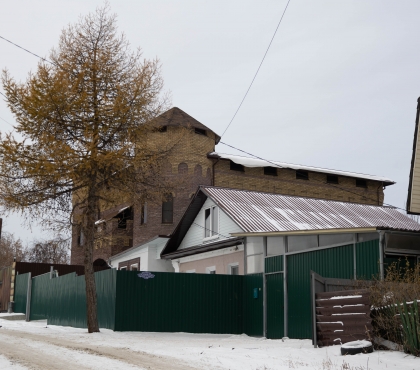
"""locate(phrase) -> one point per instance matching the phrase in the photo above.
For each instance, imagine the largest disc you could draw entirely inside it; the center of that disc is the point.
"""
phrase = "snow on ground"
(21, 342)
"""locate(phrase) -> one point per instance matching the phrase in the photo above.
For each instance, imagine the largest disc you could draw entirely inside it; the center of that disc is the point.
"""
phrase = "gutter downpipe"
(264, 289)
(354, 256)
(286, 294)
(381, 254)
(28, 298)
(213, 174)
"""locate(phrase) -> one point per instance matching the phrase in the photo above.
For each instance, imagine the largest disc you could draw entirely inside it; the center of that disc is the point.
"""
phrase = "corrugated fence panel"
(333, 262)
(41, 297)
(367, 259)
(21, 291)
(62, 307)
(275, 306)
(195, 303)
(62, 300)
(106, 285)
(253, 306)
(274, 264)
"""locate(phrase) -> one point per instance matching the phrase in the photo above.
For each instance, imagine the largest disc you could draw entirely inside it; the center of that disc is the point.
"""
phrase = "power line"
(6, 122)
(256, 73)
(30, 52)
(326, 183)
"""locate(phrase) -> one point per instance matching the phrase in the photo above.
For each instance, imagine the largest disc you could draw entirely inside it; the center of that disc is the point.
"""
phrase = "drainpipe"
(381, 254)
(264, 289)
(213, 176)
(286, 296)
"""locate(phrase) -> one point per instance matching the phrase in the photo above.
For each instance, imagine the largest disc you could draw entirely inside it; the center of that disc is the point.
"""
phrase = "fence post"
(313, 301)
(28, 298)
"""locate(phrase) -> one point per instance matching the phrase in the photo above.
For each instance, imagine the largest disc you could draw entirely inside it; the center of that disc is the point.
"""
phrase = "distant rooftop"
(177, 117)
(254, 162)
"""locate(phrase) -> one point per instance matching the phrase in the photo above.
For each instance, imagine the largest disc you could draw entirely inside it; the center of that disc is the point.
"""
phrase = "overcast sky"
(338, 87)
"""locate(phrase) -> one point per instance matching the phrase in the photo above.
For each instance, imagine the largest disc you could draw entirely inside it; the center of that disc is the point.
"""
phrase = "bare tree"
(10, 248)
(49, 251)
(87, 122)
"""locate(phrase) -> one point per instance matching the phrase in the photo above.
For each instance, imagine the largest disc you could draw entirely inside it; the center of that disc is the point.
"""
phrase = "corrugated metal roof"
(265, 212)
(255, 162)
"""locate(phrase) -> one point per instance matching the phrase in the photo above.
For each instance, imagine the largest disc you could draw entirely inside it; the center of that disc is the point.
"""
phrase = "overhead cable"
(256, 73)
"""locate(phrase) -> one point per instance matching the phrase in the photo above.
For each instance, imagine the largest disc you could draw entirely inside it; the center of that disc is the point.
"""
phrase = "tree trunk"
(91, 299)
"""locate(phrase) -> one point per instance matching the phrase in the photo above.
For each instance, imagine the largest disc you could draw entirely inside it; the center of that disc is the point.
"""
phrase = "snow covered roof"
(255, 162)
(264, 212)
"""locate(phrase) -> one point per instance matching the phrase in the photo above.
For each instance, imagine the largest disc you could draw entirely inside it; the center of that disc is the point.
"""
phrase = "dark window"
(123, 216)
(143, 214)
(234, 270)
(212, 272)
(168, 210)
(332, 179)
(200, 131)
(236, 167)
(361, 183)
(271, 171)
(302, 175)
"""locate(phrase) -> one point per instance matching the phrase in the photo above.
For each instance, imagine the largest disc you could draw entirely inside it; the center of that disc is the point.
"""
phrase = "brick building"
(195, 163)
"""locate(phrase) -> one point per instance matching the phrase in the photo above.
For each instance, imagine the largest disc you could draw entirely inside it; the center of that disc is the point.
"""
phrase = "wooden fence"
(342, 316)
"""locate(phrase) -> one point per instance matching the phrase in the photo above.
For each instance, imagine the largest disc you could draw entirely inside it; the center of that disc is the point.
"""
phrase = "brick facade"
(190, 166)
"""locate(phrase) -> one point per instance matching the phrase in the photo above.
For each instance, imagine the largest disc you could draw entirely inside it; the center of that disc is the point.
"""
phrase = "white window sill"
(210, 238)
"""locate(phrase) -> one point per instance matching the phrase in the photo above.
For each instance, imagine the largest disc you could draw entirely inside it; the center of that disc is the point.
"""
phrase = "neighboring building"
(413, 199)
(227, 228)
(143, 258)
(196, 163)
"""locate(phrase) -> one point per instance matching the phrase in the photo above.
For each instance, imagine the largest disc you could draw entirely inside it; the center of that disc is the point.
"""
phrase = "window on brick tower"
(332, 179)
(302, 175)
(168, 209)
(360, 183)
(236, 167)
(123, 216)
(270, 171)
(143, 214)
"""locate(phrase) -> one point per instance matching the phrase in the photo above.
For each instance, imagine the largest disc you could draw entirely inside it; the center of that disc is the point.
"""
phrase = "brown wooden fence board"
(342, 293)
(344, 318)
(328, 311)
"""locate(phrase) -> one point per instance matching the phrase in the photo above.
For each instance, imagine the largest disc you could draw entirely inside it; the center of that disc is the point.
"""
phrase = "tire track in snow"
(140, 360)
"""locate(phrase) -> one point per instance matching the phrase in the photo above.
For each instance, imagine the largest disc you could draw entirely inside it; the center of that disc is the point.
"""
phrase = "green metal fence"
(21, 291)
(194, 303)
(200, 303)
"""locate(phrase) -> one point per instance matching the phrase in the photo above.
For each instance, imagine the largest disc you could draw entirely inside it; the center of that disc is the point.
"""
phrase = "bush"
(393, 318)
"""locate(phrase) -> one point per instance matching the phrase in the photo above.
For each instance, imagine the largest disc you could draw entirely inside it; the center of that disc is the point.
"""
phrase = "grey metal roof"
(264, 212)
(255, 162)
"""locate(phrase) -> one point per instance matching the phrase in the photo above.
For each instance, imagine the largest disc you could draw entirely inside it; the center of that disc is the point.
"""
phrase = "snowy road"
(35, 345)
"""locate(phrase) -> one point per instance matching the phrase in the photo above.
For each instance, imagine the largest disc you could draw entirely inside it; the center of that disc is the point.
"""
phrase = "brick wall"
(286, 183)
(188, 167)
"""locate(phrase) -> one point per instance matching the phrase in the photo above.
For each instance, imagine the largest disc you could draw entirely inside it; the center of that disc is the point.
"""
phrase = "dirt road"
(34, 351)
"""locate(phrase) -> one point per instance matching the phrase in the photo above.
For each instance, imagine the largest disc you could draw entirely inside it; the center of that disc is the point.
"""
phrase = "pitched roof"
(255, 162)
(177, 117)
(258, 212)
(264, 212)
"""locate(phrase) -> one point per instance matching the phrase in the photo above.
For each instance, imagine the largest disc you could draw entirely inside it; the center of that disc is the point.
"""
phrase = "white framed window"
(124, 268)
(233, 268)
(211, 270)
(134, 267)
(211, 222)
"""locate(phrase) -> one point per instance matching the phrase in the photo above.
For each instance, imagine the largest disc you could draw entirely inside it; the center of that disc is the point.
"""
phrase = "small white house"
(230, 231)
(145, 257)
